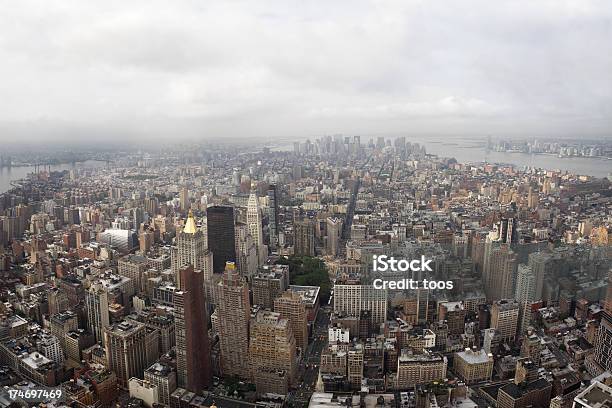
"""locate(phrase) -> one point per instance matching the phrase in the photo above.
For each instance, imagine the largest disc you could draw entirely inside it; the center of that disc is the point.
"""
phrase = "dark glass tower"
(221, 236)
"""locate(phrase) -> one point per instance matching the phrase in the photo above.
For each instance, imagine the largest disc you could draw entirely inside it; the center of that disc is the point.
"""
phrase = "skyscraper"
(303, 241)
(603, 343)
(273, 215)
(504, 317)
(291, 307)
(126, 349)
(334, 229)
(184, 199)
(268, 284)
(191, 249)
(500, 271)
(221, 236)
(608, 301)
(234, 311)
(97, 310)
(192, 347)
(525, 295)
(272, 353)
(254, 223)
(246, 251)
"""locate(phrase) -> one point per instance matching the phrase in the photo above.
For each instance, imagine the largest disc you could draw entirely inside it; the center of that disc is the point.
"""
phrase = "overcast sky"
(269, 69)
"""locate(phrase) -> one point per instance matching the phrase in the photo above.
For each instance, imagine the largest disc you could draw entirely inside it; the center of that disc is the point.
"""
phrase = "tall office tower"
(273, 215)
(268, 284)
(334, 229)
(504, 317)
(508, 230)
(291, 307)
(97, 310)
(352, 299)
(303, 240)
(255, 226)
(541, 265)
(126, 349)
(234, 311)
(193, 362)
(246, 251)
(146, 239)
(603, 343)
(608, 301)
(221, 236)
(191, 249)
(500, 271)
(184, 199)
(134, 267)
(137, 217)
(525, 295)
(272, 353)
(532, 198)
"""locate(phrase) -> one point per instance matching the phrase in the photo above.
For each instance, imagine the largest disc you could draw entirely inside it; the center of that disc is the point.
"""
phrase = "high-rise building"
(500, 271)
(255, 225)
(291, 307)
(97, 310)
(603, 343)
(541, 265)
(354, 366)
(184, 200)
(134, 267)
(531, 347)
(268, 284)
(504, 317)
(273, 215)
(126, 349)
(608, 301)
(272, 353)
(525, 295)
(164, 377)
(304, 238)
(353, 299)
(246, 251)
(192, 249)
(221, 236)
(454, 314)
(334, 230)
(234, 312)
(193, 362)
(508, 230)
(594, 396)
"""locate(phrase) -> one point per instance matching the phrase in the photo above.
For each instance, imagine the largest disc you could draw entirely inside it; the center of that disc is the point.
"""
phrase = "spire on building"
(190, 225)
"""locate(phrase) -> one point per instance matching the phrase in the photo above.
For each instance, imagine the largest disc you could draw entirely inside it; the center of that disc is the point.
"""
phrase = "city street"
(309, 366)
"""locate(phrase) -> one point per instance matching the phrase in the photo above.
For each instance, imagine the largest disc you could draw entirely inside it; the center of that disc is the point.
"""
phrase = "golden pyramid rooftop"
(190, 225)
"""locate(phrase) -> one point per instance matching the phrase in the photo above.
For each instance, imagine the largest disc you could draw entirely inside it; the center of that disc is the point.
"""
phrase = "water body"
(15, 173)
(466, 151)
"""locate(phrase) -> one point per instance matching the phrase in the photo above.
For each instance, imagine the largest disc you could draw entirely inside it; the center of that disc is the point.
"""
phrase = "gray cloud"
(291, 68)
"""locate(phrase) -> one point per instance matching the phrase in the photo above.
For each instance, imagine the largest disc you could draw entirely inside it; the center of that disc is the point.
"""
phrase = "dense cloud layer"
(296, 68)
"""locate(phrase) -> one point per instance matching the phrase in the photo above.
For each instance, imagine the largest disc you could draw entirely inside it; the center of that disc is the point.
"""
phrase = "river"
(8, 174)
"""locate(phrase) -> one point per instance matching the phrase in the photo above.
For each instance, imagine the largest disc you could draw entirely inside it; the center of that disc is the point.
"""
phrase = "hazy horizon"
(154, 71)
